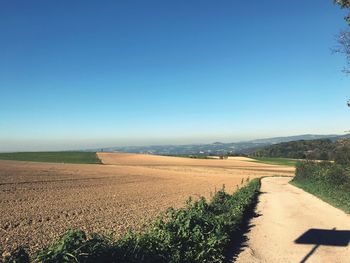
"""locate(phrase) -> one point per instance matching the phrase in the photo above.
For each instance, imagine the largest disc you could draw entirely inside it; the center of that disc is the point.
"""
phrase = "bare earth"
(286, 213)
(40, 201)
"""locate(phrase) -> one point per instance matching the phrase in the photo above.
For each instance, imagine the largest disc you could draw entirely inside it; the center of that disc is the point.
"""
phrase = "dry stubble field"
(40, 201)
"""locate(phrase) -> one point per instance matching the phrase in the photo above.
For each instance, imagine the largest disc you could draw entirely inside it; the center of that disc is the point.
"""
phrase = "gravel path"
(295, 226)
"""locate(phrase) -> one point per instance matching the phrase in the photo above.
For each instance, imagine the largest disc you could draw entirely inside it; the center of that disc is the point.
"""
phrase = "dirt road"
(295, 226)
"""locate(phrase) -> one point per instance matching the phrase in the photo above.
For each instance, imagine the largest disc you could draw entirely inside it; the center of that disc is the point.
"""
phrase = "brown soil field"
(40, 201)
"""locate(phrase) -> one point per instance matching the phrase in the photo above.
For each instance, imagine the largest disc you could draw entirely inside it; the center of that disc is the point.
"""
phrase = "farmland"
(277, 161)
(54, 157)
(40, 201)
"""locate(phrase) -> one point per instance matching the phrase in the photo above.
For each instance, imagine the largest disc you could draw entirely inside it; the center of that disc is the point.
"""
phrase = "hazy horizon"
(64, 145)
(80, 75)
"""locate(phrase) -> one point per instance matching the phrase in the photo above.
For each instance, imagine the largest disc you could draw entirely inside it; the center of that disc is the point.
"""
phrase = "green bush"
(199, 232)
(327, 180)
(75, 246)
(19, 255)
(342, 153)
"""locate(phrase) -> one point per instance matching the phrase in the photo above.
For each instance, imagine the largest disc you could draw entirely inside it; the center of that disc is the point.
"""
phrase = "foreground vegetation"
(53, 157)
(277, 161)
(329, 181)
(200, 232)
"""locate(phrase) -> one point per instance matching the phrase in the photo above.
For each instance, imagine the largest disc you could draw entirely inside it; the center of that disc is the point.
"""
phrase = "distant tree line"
(322, 149)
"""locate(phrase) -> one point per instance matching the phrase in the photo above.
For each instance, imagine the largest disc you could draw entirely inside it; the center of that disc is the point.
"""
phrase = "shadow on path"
(323, 237)
(239, 240)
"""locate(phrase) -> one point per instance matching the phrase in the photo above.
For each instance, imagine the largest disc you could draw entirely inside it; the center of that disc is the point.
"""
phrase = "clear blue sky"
(80, 74)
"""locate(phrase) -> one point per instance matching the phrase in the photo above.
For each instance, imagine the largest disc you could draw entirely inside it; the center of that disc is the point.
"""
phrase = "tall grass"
(199, 232)
(329, 181)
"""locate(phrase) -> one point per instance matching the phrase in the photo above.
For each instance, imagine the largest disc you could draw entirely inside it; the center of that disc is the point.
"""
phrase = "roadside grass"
(328, 181)
(199, 232)
(334, 197)
(53, 157)
(277, 161)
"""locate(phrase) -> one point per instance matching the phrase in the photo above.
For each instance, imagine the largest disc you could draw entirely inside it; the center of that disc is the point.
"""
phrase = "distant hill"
(218, 148)
(318, 149)
(297, 138)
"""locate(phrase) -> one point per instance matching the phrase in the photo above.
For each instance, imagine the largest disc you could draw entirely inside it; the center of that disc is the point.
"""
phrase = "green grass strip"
(327, 180)
(328, 193)
(276, 161)
(53, 157)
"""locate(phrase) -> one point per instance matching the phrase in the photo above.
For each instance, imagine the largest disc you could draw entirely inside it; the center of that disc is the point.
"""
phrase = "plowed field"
(40, 201)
